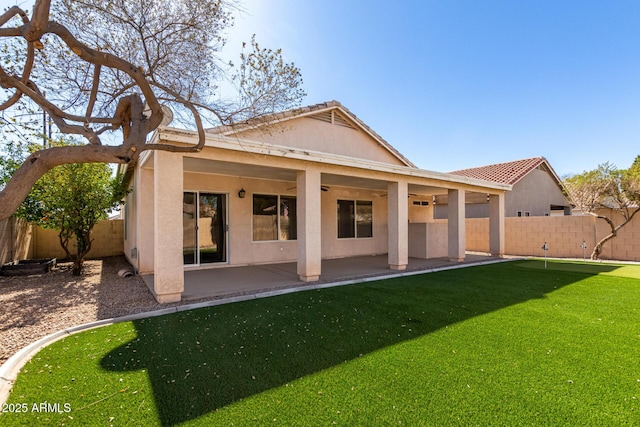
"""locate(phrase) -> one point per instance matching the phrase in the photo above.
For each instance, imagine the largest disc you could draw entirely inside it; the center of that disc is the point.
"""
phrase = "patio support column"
(168, 280)
(309, 225)
(496, 224)
(398, 206)
(456, 225)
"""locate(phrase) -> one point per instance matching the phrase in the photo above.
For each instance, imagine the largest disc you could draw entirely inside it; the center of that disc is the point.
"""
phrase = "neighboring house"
(300, 186)
(537, 190)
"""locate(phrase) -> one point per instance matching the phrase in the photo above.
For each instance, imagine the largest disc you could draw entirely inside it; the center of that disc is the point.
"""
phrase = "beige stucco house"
(301, 186)
(536, 190)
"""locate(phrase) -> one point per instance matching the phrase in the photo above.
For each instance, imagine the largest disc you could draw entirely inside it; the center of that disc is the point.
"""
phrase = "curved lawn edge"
(11, 368)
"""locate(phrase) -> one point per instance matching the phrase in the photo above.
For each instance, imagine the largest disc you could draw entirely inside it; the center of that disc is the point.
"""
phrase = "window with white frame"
(274, 217)
(355, 219)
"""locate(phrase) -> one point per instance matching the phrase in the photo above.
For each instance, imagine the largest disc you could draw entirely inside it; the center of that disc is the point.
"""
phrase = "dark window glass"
(364, 219)
(265, 217)
(288, 218)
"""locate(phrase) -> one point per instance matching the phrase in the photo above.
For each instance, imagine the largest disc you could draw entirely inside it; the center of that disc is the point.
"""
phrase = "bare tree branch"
(88, 61)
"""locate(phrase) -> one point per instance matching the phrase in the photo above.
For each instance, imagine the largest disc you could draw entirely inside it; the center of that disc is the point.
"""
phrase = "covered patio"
(291, 200)
(244, 280)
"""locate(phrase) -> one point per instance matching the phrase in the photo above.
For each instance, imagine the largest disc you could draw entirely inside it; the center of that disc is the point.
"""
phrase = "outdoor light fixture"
(241, 193)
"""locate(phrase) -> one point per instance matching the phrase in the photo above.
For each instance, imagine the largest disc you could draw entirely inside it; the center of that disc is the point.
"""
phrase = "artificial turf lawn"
(505, 344)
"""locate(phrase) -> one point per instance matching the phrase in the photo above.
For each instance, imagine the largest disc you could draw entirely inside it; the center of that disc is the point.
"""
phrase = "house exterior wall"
(139, 240)
(534, 193)
(244, 251)
(332, 246)
(325, 137)
(420, 213)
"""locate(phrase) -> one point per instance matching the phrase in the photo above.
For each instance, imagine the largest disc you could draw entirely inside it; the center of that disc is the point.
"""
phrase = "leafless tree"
(606, 193)
(99, 67)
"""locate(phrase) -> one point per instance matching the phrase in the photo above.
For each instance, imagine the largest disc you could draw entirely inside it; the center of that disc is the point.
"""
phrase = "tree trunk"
(597, 250)
(83, 246)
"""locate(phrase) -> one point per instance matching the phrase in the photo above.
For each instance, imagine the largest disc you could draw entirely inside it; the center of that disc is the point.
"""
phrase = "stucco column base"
(399, 267)
(456, 259)
(309, 278)
(169, 298)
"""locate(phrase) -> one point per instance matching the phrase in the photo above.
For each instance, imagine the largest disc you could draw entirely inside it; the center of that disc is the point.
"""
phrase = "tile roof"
(506, 173)
(310, 109)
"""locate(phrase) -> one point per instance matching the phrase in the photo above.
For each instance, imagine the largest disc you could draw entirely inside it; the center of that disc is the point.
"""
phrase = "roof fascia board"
(236, 144)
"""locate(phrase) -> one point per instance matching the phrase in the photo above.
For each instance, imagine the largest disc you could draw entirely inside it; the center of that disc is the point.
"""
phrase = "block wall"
(563, 235)
(108, 240)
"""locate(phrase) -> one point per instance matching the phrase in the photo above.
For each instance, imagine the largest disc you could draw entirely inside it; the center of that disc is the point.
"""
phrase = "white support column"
(456, 225)
(309, 215)
(168, 281)
(496, 224)
(398, 219)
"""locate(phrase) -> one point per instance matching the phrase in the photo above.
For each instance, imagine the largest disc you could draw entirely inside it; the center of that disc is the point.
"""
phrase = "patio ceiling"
(218, 167)
(238, 169)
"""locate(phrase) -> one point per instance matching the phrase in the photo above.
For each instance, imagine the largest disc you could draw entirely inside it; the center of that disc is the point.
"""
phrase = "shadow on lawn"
(203, 360)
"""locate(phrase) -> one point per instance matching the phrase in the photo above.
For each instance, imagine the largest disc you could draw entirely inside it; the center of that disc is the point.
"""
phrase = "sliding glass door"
(204, 224)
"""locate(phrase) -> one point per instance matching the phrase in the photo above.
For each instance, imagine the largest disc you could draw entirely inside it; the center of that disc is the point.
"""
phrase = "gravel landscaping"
(32, 307)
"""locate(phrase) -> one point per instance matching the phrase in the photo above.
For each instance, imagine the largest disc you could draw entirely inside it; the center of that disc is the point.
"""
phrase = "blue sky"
(455, 84)
(462, 83)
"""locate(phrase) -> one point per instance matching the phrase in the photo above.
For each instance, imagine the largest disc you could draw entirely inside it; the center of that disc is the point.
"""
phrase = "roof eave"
(225, 142)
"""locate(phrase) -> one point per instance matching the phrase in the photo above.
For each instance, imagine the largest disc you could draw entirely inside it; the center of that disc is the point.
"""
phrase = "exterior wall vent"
(323, 117)
(334, 118)
(341, 121)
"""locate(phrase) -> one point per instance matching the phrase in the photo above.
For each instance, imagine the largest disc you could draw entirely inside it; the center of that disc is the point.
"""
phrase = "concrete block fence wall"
(563, 235)
(21, 240)
(108, 240)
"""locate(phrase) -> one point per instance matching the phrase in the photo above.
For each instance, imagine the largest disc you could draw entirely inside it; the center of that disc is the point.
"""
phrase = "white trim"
(172, 135)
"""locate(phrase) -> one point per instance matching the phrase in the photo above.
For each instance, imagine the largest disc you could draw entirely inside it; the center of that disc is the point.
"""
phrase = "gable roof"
(508, 172)
(318, 111)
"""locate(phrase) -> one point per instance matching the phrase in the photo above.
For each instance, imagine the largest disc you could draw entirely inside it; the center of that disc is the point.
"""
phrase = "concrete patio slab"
(233, 281)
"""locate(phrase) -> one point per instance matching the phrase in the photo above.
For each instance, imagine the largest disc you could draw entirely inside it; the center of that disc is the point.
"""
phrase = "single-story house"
(537, 190)
(300, 186)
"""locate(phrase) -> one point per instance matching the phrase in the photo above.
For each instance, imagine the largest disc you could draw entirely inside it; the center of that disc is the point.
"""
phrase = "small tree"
(72, 198)
(607, 187)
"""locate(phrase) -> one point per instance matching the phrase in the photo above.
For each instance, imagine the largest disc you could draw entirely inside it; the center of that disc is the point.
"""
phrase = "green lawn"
(504, 344)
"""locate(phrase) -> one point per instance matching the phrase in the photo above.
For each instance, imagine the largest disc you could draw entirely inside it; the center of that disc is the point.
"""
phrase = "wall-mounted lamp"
(241, 193)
